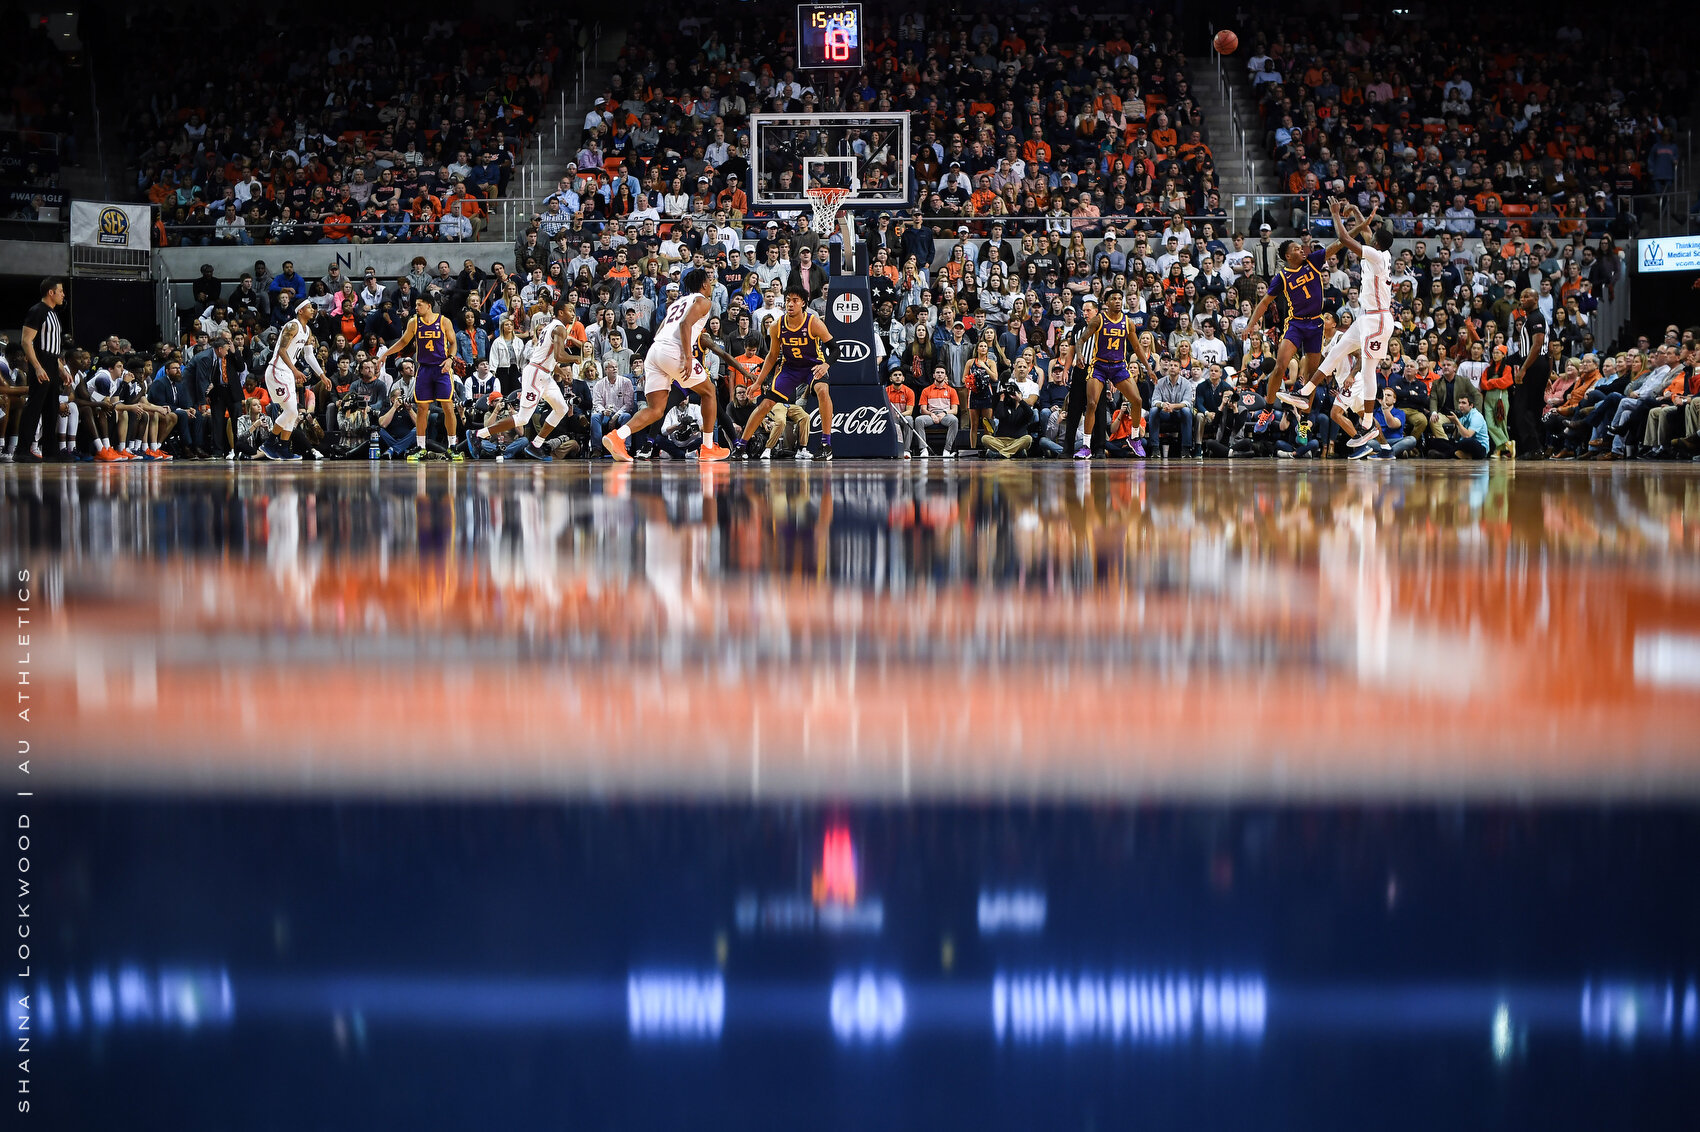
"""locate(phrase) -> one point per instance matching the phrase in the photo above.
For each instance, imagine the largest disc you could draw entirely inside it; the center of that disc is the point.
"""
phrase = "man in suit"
(214, 371)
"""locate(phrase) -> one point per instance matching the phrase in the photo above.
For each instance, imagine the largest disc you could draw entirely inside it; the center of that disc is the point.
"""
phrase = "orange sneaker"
(156, 454)
(107, 456)
(616, 446)
(713, 452)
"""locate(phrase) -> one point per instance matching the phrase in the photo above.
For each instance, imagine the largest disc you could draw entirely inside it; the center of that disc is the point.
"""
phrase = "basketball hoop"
(826, 200)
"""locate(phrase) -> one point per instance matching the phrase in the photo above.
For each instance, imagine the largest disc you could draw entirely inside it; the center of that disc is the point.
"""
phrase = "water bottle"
(372, 447)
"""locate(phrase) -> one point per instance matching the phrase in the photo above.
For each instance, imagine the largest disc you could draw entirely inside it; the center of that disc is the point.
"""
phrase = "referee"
(44, 341)
(1527, 338)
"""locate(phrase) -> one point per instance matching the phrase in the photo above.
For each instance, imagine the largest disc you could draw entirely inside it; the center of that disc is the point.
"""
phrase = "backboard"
(868, 153)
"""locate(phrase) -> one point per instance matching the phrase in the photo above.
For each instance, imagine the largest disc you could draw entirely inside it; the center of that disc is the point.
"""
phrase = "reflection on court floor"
(977, 630)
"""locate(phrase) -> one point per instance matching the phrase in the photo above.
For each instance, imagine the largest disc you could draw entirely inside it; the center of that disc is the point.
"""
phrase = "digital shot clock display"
(829, 35)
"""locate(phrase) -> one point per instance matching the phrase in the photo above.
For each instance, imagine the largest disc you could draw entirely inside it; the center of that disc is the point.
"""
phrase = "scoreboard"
(829, 35)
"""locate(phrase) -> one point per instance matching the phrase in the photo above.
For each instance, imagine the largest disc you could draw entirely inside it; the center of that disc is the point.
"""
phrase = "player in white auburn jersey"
(673, 359)
(551, 347)
(284, 373)
(1354, 404)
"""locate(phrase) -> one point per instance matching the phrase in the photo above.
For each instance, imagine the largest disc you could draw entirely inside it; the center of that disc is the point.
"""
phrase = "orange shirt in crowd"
(752, 362)
(939, 399)
(1121, 426)
(902, 398)
(464, 205)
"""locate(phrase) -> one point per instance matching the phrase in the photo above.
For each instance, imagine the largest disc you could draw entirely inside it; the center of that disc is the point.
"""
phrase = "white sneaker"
(767, 454)
(1295, 401)
(922, 454)
(803, 454)
(1361, 439)
(949, 454)
(317, 455)
(906, 455)
(1283, 455)
(230, 455)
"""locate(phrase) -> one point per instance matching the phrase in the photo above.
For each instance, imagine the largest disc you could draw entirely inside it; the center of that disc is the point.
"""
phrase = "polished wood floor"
(947, 630)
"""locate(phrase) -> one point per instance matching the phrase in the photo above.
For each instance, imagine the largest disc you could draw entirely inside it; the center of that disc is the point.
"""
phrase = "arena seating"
(1490, 123)
(310, 132)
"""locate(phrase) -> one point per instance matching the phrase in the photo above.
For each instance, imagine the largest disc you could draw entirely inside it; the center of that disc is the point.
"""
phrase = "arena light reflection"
(1030, 1008)
(868, 1007)
(681, 1005)
(129, 996)
(1133, 1007)
(1626, 1013)
(1000, 911)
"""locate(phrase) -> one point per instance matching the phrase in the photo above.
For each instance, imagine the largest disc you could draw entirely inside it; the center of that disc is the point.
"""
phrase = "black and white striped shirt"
(1523, 331)
(49, 338)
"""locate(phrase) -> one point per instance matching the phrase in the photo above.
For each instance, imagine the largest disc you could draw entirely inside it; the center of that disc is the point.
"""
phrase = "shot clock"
(829, 35)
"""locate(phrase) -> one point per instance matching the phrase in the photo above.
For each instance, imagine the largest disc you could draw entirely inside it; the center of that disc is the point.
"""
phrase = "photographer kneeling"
(252, 428)
(395, 423)
(1013, 423)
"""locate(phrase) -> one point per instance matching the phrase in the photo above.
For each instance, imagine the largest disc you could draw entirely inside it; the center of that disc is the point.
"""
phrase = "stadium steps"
(97, 148)
(597, 74)
(1219, 130)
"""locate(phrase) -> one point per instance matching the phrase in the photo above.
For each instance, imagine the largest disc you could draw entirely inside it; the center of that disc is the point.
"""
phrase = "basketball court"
(969, 631)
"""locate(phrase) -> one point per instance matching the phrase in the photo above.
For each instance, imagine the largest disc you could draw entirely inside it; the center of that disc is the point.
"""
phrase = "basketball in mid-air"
(1227, 42)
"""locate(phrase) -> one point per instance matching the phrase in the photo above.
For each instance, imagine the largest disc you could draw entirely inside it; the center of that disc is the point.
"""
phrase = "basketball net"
(826, 201)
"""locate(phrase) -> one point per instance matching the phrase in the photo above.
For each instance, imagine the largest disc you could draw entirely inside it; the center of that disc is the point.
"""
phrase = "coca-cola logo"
(850, 350)
(869, 420)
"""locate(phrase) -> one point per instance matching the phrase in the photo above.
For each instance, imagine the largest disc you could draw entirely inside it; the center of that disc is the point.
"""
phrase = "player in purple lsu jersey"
(1105, 339)
(434, 381)
(1299, 281)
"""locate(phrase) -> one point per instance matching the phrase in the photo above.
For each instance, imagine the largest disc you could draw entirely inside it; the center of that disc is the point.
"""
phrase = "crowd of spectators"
(1500, 121)
(1040, 92)
(346, 129)
(1059, 118)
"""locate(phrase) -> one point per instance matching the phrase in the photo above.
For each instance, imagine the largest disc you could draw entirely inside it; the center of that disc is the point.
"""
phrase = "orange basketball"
(1227, 42)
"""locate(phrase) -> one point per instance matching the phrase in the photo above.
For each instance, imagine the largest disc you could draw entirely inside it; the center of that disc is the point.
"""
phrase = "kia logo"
(850, 350)
(869, 420)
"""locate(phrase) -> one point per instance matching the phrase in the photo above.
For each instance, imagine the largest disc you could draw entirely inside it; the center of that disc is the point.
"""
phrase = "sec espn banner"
(95, 224)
